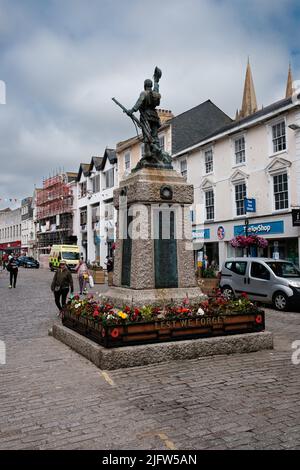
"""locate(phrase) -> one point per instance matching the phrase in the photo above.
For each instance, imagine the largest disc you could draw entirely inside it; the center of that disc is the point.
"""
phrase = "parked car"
(270, 281)
(28, 262)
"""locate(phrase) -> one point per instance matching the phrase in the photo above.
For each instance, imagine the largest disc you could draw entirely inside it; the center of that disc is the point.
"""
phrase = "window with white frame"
(109, 211)
(83, 217)
(162, 142)
(183, 168)
(109, 178)
(279, 136)
(240, 195)
(210, 205)
(239, 150)
(96, 184)
(127, 161)
(281, 196)
(83, 189)
(209, 161)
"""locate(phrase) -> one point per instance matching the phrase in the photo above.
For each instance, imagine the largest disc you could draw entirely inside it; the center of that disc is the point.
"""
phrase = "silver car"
(266, 280)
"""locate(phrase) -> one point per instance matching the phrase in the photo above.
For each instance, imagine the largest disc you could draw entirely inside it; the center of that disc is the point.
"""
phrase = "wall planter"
(99, 277)
(208, 285)
(159, 331)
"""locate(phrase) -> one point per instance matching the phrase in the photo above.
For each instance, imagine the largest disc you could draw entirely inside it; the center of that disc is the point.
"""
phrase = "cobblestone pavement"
(52, 398)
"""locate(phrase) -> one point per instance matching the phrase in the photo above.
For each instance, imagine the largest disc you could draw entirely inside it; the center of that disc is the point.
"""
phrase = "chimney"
(164, 115)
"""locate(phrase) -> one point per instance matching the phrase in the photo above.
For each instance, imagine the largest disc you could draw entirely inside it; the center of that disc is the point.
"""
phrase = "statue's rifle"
(136, 121)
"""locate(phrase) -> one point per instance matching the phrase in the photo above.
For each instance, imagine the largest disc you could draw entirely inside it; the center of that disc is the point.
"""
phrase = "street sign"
(250, 204)
(296, 217)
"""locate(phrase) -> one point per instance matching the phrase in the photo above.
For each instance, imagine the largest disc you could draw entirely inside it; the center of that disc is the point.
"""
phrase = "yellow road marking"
(108, 378)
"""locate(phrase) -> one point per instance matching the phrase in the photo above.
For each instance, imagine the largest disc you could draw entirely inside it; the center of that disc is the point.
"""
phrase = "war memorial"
(155, 311)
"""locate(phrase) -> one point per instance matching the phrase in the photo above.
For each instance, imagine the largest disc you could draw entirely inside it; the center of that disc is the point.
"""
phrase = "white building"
(256, 156)
(10, 230)
(94, 213)
(27, 226)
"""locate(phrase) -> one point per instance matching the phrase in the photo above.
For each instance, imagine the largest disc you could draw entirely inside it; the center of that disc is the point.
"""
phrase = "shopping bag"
(91, 281)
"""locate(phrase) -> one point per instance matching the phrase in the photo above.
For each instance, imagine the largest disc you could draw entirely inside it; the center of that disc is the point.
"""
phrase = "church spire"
(249, 105)
(289, 84)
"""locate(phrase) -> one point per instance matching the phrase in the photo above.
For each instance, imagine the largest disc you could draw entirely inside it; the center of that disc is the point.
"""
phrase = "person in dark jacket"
(61, 284)
(12, 268)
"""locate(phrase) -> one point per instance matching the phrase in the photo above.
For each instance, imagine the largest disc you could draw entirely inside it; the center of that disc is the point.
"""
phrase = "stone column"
(153, 261)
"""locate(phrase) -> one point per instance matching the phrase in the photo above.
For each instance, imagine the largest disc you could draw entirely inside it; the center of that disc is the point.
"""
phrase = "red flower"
(126, 309)
(96, 314)
(185, 310)
(244, 295)
(258, 319)
(114, 333)
(137, 311)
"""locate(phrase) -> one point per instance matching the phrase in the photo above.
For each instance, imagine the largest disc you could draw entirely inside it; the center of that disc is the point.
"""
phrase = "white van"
(266, 280)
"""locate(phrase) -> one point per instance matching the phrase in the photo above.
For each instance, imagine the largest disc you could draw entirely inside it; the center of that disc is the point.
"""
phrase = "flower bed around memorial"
(111, 327)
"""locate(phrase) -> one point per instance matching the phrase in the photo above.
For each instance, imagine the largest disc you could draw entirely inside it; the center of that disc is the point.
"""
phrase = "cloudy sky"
(63, 60)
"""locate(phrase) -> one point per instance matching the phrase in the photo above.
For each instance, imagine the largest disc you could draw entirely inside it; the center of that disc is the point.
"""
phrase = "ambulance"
(70, 254)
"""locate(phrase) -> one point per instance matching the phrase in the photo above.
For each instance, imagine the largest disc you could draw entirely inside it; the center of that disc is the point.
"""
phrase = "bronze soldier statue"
(149, 123)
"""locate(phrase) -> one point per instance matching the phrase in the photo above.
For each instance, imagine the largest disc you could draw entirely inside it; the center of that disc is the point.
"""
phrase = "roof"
(196, 124)
(97, 162)
(111, 155)
(83, 168)
(71, 176)
(230, 128)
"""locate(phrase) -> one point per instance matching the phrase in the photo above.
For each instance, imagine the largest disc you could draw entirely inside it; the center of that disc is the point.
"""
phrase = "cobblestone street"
(52, 398)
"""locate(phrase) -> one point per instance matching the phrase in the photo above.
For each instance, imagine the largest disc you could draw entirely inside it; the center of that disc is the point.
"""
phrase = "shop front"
(206, 252)
(11, 247)
(212, 242)
(282, 237)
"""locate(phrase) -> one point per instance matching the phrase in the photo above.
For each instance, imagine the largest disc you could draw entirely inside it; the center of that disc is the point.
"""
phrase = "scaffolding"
(54, 198)
(54, 207)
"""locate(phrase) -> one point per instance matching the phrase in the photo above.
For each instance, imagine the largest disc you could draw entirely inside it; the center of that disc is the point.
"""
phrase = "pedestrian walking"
(61, 284)
(4, 260)
(83, 276)
(12, 268)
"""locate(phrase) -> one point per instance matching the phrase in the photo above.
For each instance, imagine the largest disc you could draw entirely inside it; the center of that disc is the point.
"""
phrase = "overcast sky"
(63, 60)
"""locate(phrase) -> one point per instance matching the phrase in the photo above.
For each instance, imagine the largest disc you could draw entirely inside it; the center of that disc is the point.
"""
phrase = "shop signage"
(221, 232)
(16, 244)
(250, 204)
(201, 234)
(263, 228)
(296, 217)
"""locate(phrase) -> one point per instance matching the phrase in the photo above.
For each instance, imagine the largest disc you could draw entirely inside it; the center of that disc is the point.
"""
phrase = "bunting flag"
(11, 199)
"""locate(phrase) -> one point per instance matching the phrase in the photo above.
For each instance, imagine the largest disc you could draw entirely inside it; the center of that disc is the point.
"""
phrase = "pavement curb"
(133, 356)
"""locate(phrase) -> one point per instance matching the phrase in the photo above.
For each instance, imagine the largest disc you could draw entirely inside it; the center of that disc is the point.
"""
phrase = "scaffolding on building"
(54, 207)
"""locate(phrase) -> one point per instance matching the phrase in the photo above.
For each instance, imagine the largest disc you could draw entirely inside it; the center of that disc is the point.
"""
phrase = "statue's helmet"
(148, 83)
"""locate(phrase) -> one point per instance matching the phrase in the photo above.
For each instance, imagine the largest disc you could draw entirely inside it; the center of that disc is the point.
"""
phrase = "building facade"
(54, 212)
(94, 213)
(255, 157)
(10, 231)
(27, 226)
